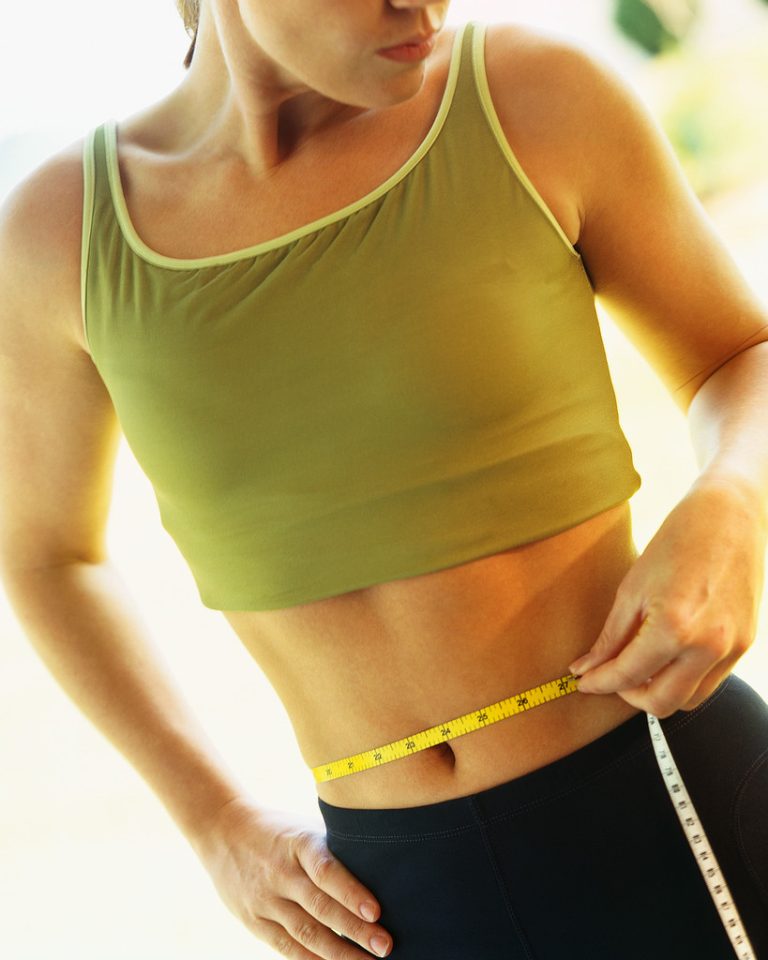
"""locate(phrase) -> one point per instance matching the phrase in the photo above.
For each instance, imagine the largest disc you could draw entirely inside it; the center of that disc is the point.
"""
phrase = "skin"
(688, 606)
(256, 92)
(669, 282)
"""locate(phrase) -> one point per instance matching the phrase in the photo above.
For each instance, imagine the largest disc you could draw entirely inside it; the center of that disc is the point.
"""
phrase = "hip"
(584, 857)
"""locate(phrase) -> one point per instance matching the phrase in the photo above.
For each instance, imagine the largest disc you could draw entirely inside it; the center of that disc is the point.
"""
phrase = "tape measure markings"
(699, 843)
(535, 697)
(447, 730)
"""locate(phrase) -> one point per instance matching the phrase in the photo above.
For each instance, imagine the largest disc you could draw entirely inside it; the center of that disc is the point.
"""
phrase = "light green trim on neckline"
(152, 256)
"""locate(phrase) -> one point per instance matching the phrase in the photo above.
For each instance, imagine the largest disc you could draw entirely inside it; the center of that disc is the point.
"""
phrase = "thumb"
(623, 621)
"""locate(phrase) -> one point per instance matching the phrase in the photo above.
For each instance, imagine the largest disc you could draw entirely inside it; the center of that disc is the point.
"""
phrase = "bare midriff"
(370, 666)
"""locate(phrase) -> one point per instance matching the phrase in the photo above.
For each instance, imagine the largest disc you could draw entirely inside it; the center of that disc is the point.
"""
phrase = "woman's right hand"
(274, 871)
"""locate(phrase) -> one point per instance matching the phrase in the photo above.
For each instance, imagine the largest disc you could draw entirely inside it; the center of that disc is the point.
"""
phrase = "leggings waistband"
(612, 749)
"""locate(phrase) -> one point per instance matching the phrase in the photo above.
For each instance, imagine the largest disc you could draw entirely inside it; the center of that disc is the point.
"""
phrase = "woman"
(334, 300)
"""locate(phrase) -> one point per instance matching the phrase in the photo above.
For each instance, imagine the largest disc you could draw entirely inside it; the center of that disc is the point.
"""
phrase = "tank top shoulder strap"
(98, 210)
(465, 98)
(475, 139)
(468, 123)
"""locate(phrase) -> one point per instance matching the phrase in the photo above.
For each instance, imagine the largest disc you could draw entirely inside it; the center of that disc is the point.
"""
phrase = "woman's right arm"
(58, 439)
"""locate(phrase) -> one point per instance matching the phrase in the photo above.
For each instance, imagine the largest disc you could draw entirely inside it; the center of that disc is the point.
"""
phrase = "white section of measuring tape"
(699, 843)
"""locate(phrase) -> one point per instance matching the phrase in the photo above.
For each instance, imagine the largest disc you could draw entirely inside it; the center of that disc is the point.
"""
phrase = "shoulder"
(41, 222)
(572, 108)
(576, 79)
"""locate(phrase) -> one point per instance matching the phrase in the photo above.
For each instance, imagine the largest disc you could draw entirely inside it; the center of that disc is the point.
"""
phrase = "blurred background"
(91, 866)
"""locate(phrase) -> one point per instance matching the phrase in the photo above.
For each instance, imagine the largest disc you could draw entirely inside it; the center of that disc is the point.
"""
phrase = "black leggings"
(582, 859)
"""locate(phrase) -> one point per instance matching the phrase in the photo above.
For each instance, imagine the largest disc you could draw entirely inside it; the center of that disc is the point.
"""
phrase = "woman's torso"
(376, 664)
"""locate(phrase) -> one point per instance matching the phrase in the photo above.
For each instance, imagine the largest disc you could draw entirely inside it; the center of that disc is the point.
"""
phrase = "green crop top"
(412, 382)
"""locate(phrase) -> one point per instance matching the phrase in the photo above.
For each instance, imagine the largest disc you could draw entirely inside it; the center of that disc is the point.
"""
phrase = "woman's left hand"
(687, 610)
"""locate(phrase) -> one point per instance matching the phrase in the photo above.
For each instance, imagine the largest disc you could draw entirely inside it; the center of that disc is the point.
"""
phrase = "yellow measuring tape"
(527, 700)
(447, 730)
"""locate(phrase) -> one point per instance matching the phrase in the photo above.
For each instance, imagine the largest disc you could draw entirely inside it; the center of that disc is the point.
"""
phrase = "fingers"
(720, 672)
(681, 684)
(667, 691)
(621, 624)
(320, 938)
(666, 666)
(637, 662)
(286, 944)
(329, 873)
(333, 895)
(275, 872)
(707, 687)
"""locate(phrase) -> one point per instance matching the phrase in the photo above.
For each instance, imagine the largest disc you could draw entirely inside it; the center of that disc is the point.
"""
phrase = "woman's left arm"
(687, 609)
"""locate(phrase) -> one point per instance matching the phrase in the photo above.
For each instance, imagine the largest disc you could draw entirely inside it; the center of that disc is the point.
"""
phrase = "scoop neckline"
(145, 252)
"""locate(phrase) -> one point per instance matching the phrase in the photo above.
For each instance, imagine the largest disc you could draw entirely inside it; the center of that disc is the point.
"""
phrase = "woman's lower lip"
(410, 51)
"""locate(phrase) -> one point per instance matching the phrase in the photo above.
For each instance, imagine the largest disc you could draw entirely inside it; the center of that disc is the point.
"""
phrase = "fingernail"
(367, 910)
(580, 666)
(380, 945)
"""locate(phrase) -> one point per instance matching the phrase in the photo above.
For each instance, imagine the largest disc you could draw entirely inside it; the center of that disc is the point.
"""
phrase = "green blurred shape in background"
(711, 101)
(645, 25)
(658, 26)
